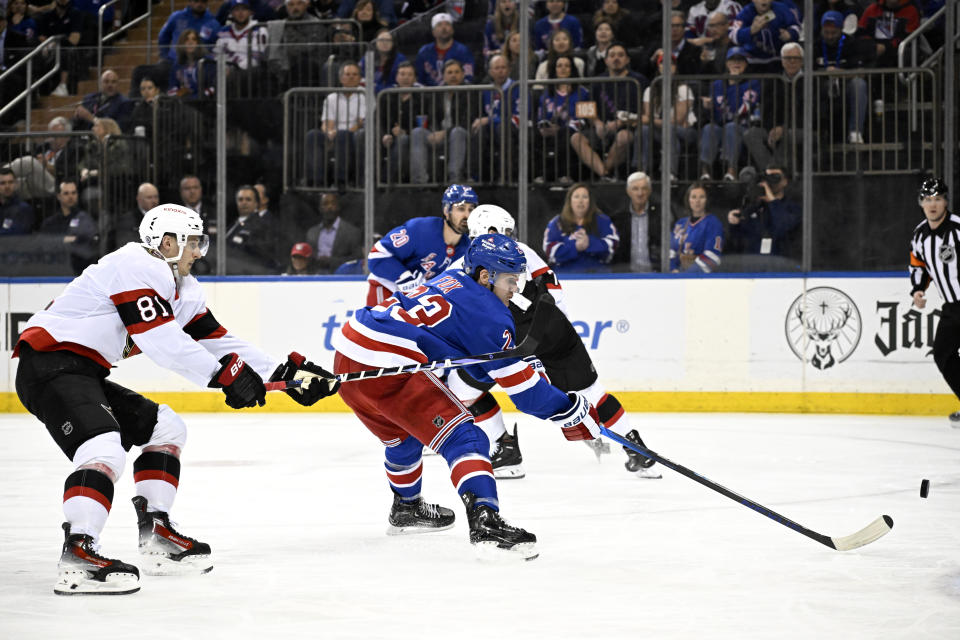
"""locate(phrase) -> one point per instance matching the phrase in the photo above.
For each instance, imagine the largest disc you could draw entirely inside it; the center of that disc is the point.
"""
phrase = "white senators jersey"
(129, 302)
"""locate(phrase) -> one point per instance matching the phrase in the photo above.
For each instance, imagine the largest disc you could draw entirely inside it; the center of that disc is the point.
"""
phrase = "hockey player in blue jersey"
(456, 314)
(408, 255)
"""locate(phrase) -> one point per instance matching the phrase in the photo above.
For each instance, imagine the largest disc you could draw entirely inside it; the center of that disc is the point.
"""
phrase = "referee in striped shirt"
(934, 257)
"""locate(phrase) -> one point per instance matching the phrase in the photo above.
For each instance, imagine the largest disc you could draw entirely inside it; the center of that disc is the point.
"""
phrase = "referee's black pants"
(947, 344)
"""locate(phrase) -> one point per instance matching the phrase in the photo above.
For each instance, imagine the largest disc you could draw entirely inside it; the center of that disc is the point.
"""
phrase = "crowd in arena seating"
(595, 119)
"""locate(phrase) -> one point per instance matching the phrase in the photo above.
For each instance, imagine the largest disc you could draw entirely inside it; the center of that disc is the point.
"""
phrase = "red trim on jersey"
(514, 379)
(156, 474)
(140, 327)
(550, 285)
(468, 466)
(354, 336)
(132, 296)
(87, 492)
(40, 340)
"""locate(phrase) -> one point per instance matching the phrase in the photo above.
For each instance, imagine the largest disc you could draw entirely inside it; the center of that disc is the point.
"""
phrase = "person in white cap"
(431, 56)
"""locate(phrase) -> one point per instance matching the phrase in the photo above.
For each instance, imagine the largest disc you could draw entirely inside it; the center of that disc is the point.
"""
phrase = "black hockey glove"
(296, 368)
(242, 385)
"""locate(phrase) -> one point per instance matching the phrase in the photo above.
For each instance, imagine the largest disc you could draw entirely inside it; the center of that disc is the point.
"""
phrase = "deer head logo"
(823, 327)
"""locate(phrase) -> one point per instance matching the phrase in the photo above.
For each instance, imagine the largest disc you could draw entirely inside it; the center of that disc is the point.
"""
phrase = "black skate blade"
(96, 593)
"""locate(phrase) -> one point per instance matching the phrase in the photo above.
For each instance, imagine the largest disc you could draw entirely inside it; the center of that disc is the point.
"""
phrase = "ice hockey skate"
(639, 465)
(83, 571)
(955, 419)
(163, 550)
(507, 461)
(417, 517)
(489, 532)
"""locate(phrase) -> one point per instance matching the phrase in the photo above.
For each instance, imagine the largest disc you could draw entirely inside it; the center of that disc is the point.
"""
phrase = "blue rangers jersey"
(451, 316)
(416, 247)
(703, 237)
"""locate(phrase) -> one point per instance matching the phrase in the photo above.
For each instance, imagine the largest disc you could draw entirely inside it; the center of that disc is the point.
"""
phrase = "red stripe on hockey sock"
(87, 492)
(405, 478)
(487, 415)
(467, 466)
(156, 474)
(514, 379)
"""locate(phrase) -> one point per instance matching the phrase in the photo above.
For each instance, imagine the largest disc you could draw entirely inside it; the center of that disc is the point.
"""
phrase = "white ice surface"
(295, 506)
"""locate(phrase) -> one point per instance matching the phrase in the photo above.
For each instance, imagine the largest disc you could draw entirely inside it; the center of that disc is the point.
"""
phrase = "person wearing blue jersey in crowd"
(734, 106)
(431, 57)
(420, 248)
(556, 18)
(457, 314)
(761, 29)
(697, 240)
(581, 238)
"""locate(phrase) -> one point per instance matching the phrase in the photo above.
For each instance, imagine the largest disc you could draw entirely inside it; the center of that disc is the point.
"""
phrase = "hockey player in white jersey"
(139, 298)
(564, 361)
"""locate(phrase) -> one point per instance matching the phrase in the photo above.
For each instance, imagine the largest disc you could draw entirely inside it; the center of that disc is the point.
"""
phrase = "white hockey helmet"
(179, 221)
(489, 218)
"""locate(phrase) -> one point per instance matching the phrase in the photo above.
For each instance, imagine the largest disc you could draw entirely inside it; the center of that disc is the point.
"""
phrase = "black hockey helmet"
(932, 187)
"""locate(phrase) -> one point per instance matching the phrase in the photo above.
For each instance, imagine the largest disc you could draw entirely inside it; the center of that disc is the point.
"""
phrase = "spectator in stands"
(398, 116)
(74, 225)
(638, 227)
(195, 17)
(761, 29)
(366, 13)
(448, 123)
(384, 7)
(190, 77)
(106, 103)
(504, 21)
(191, 195)
(301, 263)
(493, 120)
(512, 54)
(37, 174)
(145, 107)
(334, 239)
(621, 20)
(888, 22)
(696, 243)
(387, 60)
(618, 106)
(126, 228)
(581, 238)
(556, 18)
(733, 106)
(686, 53)
(603, 38)
(651, 120)
(341, 131)
(834, 50)
(716, 42)
(847, 8)
(782, 107)
(432, 57)
(106, 152)
(19, 21)
(698, 18)
(16, 216)
(768, 223)
(293, 45)
(559, 128)
(244, 40)
(560, 44)
(250, 238)
(64, 20)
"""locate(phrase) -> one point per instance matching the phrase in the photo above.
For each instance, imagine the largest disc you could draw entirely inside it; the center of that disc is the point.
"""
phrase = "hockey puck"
(924, 488)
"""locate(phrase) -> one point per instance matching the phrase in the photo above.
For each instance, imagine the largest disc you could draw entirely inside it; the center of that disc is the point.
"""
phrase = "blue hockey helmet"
(457, 193)
(496, 253)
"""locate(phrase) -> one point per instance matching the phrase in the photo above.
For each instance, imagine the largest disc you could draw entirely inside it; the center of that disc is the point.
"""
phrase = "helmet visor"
(201, 242)
(509, 282)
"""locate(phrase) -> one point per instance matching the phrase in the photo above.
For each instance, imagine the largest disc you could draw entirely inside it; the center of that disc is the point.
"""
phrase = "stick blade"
(873, 531)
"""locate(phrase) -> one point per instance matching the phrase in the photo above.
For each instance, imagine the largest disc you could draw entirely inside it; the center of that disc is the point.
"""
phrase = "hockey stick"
(527, 347)
(876, 529)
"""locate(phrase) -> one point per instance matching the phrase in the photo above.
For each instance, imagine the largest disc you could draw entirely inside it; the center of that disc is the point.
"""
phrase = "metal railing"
(102, 40)
(30, 85)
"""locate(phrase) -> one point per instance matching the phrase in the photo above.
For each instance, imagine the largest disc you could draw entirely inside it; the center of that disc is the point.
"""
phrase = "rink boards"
(842, 344)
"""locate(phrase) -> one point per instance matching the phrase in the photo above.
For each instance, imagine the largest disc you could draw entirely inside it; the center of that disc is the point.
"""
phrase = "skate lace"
(429, 510)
